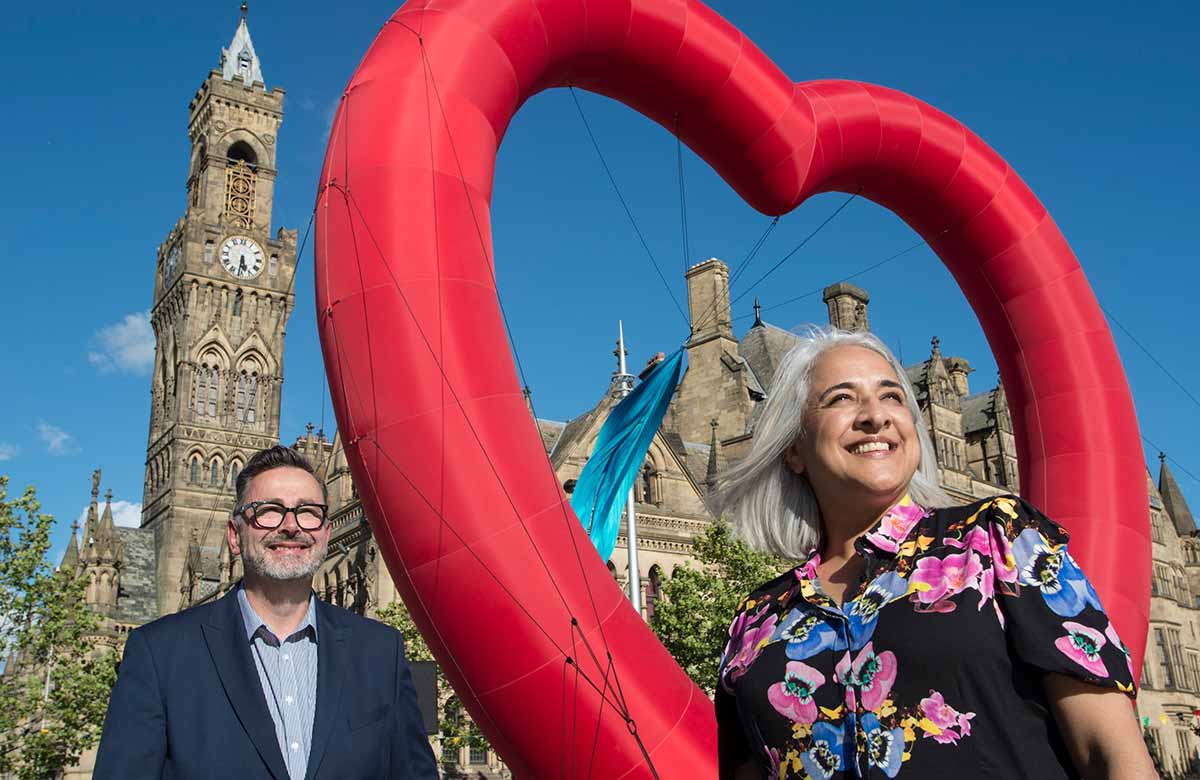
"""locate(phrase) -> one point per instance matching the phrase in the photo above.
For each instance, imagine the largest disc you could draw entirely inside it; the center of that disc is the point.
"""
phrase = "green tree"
(693, 616)
(55, 683)
(455, 729)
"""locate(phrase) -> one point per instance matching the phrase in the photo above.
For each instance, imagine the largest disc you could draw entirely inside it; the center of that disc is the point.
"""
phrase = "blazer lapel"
(331, 670)
(225, 634)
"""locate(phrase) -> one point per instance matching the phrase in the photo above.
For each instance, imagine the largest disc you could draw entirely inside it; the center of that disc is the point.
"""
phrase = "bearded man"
(267, 682)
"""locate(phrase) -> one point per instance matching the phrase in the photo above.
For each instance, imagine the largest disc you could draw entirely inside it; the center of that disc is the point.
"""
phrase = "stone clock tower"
(223, 290)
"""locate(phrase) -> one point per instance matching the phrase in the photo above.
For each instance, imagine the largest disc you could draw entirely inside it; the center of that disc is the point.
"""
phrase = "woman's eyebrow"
(890, 383)
(838, 386)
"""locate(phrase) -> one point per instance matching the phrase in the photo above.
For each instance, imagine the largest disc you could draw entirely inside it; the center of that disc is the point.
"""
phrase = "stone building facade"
(222, 295)
(1169, 700)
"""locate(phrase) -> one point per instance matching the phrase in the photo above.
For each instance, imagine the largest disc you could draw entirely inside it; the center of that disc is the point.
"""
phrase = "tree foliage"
(455, 729)
(55, 683)
(693, 616)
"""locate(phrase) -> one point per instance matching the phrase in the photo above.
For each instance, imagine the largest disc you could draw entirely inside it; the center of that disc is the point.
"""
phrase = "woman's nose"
(872, 415)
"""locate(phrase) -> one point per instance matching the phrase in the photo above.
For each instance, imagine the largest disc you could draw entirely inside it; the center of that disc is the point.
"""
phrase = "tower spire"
(106, 519)
(240, 61)
(71, 556)
(1173, 499)
(714, 459)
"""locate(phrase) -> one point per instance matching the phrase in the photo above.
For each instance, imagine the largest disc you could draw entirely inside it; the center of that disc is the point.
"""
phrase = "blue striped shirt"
(287, 671)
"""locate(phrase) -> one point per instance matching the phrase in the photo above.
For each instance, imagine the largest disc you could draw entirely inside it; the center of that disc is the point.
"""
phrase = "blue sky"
(1094, 105)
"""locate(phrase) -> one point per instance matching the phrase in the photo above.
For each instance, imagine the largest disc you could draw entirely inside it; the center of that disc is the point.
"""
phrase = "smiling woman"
(778, 511)
(914, 638)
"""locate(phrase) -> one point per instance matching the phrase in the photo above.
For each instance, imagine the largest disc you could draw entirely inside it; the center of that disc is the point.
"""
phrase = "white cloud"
(8, 451)
(126, 514)
(127, 345)
(58, 441)
(331, 109)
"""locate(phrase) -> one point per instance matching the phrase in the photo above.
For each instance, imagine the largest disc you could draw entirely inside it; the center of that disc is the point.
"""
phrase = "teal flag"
(621, 447)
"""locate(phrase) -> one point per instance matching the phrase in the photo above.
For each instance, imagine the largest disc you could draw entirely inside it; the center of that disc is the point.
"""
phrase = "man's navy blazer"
(188, 703)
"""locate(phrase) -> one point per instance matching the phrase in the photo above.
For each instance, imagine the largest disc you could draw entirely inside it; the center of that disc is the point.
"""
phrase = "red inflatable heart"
(497, 572)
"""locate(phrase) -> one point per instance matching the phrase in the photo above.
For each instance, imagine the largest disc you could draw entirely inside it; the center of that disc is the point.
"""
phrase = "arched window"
(241, 397)
(212, 391)
(207, 389)
(242, 152)
(241, 175)
(251, 397)
(246, 395)
(648, 484)
(201, 390)
(243, 64)
(653, 590)
(195, 475)
(235, 468)
(612, 570)
(198, 162)
(162, 378)
(237, 304)
(214, 473)
(339, 587)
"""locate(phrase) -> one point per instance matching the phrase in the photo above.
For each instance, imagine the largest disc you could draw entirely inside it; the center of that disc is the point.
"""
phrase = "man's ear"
(231, 535)
(793, 458)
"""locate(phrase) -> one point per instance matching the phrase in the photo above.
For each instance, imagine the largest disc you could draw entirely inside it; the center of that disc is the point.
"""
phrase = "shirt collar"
(893, 528)
(886, 536)
(252, 621)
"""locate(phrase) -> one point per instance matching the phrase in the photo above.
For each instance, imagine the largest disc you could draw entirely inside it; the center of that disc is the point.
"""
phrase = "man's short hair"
(276, 457)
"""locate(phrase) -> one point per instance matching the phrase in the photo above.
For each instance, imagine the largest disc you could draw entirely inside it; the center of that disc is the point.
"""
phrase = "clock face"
(242, 257)
(172, 259)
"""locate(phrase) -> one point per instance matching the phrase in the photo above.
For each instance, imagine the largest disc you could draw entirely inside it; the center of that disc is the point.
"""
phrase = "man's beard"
(258, 560)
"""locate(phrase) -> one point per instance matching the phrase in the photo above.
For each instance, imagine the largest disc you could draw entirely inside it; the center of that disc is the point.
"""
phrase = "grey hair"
(773, 508)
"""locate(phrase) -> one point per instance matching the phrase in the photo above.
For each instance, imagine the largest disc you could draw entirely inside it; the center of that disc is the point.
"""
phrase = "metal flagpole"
(635, 573)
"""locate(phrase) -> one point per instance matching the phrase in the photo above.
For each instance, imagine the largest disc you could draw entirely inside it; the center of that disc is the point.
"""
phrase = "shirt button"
(288, 699)
(287, 658)
(295, 746)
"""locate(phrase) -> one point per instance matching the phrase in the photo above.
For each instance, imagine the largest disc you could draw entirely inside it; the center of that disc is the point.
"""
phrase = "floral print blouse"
(933, 666)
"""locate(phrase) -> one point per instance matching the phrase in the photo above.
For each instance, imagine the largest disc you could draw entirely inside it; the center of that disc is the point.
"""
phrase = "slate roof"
(917, 376)
(762, 347)
(978, 410)
(550, 431)
(676, 443)
(571, 433)
(696, 460)
(137, 603)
